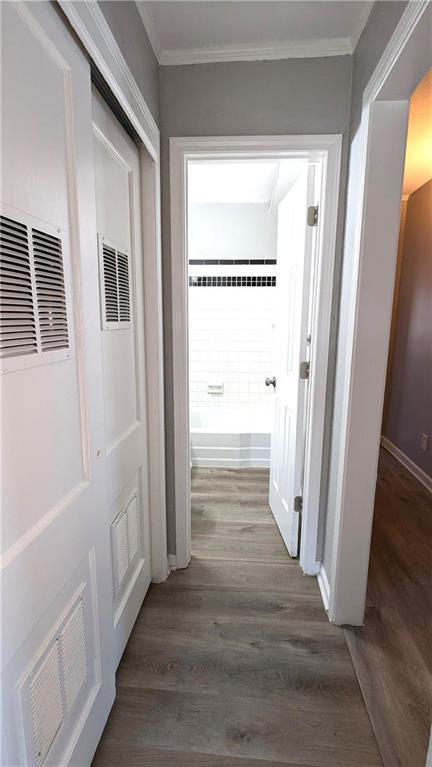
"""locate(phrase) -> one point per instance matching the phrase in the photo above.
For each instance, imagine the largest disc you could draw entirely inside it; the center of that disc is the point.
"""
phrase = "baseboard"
(412, 467)
(324, 587)
(172, 562)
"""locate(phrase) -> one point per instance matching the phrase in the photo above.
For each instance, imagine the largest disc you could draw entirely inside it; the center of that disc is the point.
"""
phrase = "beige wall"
(409, 408)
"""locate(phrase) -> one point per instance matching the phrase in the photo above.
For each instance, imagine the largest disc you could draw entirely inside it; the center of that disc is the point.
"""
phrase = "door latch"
(304, 370)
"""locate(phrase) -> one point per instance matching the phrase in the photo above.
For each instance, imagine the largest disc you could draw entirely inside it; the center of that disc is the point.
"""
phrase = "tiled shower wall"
(231, 344)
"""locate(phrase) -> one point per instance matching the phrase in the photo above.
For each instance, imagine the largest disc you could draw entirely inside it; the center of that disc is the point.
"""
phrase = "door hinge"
(312, 215)
(298, 503)
(304, 370)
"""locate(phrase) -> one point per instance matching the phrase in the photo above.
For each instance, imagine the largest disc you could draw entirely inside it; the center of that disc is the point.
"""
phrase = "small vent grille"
(115, 287)
(18, 326)
(50, 291)
(74, 655)
(46, 703)
(123, 287)
(32, 290)
(133, 529)
(110, 284)
(121, 548)
(126, 544)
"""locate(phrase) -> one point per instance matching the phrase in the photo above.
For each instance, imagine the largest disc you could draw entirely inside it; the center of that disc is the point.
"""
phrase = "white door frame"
(322, 148)
(373, 213)
(91, 27)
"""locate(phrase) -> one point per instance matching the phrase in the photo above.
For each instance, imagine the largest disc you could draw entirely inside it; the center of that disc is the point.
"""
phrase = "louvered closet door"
(56, 654)
(118, 206)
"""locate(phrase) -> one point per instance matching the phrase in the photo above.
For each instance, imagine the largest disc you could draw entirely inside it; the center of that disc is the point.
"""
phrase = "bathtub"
(230, 438)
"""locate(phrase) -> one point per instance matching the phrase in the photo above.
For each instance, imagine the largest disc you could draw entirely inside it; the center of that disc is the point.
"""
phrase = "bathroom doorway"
(252, 291)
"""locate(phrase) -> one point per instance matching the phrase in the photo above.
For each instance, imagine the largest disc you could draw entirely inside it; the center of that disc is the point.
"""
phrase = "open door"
(294, 256)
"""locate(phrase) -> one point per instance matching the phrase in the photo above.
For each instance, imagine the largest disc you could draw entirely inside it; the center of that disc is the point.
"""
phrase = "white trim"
(412, 467)
(91, 27)
(326, 150)
(376, 164)
(172, 562)
(302, 49)
(94, 32)
(324, 587)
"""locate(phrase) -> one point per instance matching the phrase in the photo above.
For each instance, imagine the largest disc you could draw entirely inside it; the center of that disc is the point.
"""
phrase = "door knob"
(271, 382)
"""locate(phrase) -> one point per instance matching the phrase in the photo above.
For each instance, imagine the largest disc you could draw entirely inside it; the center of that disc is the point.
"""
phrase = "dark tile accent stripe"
(233, 282)
(232, 261)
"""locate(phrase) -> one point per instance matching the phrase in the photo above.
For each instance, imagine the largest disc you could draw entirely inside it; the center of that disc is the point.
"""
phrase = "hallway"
(232, 662)
(392, 652)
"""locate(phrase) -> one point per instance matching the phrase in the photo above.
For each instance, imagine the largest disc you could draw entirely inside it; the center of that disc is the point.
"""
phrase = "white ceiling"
(264, 182)
(215, 30)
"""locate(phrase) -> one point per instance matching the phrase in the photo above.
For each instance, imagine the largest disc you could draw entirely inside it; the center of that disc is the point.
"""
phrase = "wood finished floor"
(232, 662)
(392, 653)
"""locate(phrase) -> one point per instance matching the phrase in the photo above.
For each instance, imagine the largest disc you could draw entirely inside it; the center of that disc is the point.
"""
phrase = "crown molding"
(150, 29)
(268, 52)
(361, 23)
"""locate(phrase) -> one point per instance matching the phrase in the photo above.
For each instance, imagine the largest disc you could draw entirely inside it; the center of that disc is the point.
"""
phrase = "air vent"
(50, 291)
(34, 319)
(46, 703)
(110, 284)
(18, 324)
(133, 529)
(115, 289)
(126, 544)
(120, 548)
(123, 286)
(74, 655)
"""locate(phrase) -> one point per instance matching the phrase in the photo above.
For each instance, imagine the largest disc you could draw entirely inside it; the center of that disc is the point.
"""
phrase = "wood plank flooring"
(392, 653)
(232, 662)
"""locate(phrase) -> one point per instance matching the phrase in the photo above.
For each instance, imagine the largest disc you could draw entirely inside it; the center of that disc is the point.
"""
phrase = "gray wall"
(296, 96)
(409, 412)
(129, 32)
(380, 26)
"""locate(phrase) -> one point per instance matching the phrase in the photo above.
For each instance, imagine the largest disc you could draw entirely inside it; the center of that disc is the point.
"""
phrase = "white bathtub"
(233, 439)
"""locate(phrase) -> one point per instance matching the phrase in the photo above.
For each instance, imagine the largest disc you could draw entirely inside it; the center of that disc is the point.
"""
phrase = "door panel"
(57, 674)
(117, 167)
(294, 252)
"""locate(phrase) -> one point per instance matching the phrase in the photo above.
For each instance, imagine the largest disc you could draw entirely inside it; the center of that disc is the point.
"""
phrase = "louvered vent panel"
(18, 326)
(110, 284)
(123, 286)
(74, 655)
(121, 548)
(133, 528)
(50, 291)
(46, 703)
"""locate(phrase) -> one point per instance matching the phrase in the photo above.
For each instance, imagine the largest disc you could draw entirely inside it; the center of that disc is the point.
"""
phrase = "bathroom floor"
(232, 662)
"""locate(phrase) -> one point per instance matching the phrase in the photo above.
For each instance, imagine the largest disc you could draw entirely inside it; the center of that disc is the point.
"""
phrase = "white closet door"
(118, 189)
(57, 662)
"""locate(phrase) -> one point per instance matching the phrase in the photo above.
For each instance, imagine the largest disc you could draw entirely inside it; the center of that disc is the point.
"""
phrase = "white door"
(294, 255)
(118, 190)
(56, 656)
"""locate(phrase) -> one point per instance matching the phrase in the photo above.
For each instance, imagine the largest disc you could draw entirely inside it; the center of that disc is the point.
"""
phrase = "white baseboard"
(172, 562)
(412, 467)
(324, 587)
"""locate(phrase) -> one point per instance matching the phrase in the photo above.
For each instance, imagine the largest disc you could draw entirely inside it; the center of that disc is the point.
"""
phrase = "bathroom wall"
(230, 343)
(232, 231)
(231, 321)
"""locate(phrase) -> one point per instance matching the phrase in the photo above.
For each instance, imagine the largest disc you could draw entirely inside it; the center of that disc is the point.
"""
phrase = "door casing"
(372, 226)
(323, 149)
